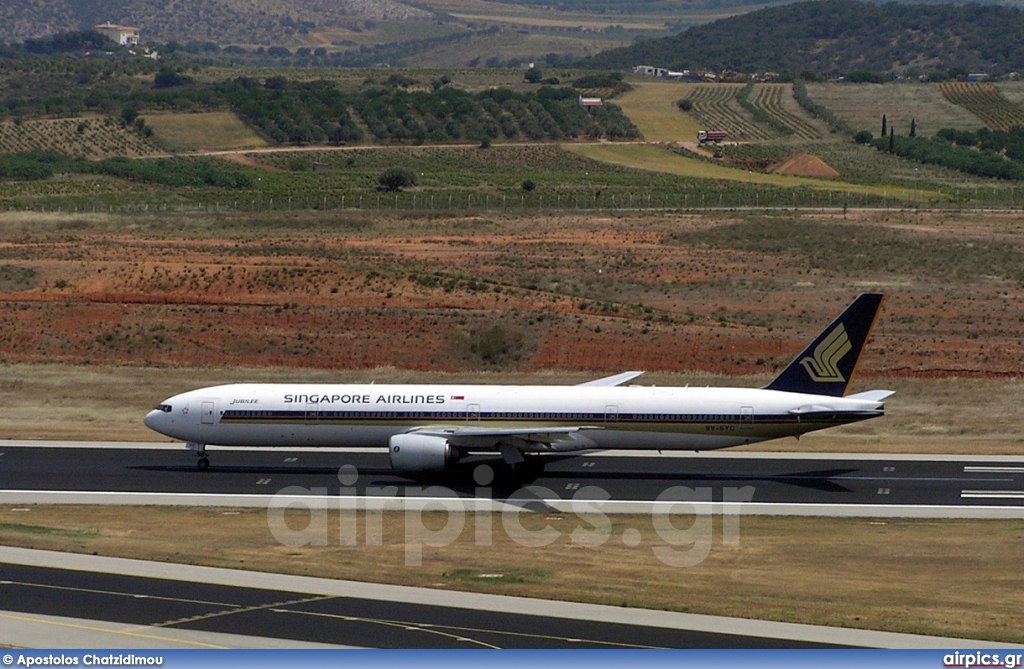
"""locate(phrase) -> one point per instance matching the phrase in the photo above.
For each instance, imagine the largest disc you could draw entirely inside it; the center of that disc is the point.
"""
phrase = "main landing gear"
(204, 462)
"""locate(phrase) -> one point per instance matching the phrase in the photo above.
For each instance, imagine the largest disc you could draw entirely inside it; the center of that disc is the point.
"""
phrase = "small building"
(123, 35)
(590, 103)
(650, 70)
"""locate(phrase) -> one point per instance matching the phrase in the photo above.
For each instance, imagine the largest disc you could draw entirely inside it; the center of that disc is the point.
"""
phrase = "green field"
(654, 158)
(651, 105)
(89, 137)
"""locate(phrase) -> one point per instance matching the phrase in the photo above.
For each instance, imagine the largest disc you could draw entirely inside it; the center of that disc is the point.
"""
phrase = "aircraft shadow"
(505, 482)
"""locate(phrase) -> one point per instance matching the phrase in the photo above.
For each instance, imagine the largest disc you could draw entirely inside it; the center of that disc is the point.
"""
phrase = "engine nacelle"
(420, 453)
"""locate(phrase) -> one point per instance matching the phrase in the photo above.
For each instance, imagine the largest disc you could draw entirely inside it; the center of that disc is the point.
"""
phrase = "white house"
(123, 35)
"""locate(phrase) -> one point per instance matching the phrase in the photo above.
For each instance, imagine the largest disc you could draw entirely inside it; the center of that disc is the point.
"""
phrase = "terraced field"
(99, 137)
(716, 107)
(985, 102)
(771, 99)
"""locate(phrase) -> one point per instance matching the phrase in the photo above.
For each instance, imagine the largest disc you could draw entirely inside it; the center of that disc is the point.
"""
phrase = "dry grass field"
(202, 132)
(515, 43)
(1012, 91)
(907, 576)
(726, 293)
(861, 106)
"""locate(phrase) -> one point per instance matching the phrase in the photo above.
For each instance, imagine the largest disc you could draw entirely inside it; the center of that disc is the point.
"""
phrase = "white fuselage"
(623, 417)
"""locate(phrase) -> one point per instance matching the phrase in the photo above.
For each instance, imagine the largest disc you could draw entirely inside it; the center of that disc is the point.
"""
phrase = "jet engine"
(421, 453)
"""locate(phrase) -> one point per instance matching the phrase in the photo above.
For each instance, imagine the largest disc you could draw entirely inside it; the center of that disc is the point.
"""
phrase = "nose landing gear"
(204, 462)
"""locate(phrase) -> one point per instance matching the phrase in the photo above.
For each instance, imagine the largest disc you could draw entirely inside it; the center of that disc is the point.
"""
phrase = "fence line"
(559, 202)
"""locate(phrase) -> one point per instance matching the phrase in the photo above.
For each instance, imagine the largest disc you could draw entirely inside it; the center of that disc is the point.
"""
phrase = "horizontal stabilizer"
(609, 381)
(871, 395)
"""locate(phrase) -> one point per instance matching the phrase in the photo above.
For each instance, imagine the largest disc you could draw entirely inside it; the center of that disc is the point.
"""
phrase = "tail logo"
(823, 366)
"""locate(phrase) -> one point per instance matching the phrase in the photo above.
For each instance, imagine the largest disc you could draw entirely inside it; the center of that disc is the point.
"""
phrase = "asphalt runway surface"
(740, 478)
(346, 621)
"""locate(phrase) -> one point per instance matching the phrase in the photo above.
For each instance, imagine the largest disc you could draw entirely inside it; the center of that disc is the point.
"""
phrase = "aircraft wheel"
(203, 464)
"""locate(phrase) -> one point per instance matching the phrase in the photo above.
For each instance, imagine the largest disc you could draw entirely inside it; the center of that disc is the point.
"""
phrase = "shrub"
(396, 178)
(686, 104)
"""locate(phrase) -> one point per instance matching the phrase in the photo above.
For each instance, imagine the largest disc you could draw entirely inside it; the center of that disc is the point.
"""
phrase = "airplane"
(428, 428)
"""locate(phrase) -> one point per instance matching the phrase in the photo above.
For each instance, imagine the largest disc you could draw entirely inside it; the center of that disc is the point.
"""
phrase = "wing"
(522, 439)
(616, 380)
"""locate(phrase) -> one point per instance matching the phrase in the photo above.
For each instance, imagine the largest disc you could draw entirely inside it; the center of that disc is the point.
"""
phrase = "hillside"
(841, 36)
(221, 21)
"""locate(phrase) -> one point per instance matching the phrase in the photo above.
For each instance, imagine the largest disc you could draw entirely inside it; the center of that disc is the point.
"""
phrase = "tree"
(913, 127)
(885, 131)
(685, 104)
(863, 137)
(394, 179)
(533, 75)
(166, 78)
(892, 139)
(528, 185)
(128, 114)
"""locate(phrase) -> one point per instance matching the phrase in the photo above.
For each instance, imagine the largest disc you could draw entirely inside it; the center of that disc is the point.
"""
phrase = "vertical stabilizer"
(828, 364)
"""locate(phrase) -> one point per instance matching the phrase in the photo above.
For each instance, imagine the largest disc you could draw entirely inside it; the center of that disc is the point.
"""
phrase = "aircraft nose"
(156, 420)
(152, 419)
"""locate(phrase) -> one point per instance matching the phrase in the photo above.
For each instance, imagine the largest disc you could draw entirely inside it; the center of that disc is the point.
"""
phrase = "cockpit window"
(166, 408)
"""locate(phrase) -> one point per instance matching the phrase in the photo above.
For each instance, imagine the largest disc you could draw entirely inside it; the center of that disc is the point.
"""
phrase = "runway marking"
(239, 609)
(412, 627)
(883, 491)
(127, 632)
(117, 593)
(908, 479)
(436, 629)
(992, 494)
(993, 470)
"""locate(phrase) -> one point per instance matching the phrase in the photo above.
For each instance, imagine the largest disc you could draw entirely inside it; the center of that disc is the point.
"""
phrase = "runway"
(326, 619)
(883, 485)
(127, 603)
(144, 604)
